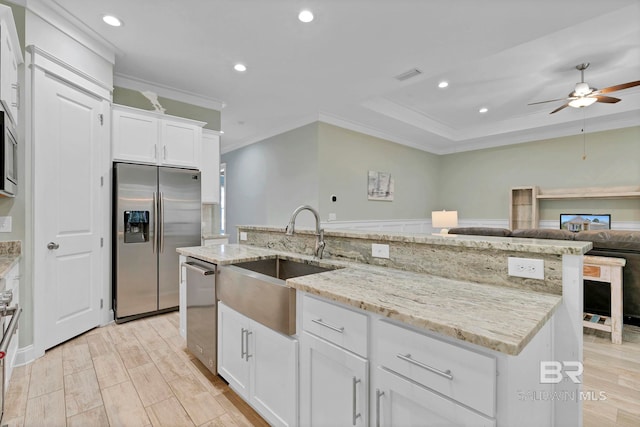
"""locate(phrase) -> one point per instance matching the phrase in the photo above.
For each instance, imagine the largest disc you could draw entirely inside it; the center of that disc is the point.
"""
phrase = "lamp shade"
(444, 219)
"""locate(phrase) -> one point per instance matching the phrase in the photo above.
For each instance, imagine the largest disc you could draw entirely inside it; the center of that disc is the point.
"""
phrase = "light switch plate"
(379, 251)
(243, 235)
(526, 267)
(5, 224)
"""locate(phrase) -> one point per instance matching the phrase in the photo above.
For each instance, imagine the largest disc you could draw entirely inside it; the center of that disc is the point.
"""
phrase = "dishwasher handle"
(202, 270)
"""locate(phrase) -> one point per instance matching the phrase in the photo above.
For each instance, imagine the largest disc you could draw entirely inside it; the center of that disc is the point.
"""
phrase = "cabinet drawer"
(463, 375)
(336, 324)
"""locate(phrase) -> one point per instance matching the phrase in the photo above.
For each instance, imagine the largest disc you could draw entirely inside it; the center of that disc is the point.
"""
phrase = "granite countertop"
(513, 244)
(9, 255)
(495, 317)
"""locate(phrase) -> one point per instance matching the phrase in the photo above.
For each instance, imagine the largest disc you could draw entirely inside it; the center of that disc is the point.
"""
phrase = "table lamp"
(444, 220)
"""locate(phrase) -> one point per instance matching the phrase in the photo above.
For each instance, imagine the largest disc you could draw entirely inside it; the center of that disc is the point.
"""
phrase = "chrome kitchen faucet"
(319, 231)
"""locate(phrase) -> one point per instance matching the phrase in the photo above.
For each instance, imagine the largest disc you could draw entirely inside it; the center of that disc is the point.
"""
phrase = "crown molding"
(61, 19)
(135, 83)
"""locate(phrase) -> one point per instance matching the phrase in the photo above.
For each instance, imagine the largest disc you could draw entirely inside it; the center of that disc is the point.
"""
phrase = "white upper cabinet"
(10, 59)
(142, 136)
(210, 167)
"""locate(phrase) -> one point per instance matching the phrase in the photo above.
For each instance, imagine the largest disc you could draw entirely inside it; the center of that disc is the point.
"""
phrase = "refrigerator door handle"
(155, 221)
(161, 220)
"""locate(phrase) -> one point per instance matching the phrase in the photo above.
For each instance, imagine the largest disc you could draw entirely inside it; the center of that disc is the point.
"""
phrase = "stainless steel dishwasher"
(202, 316)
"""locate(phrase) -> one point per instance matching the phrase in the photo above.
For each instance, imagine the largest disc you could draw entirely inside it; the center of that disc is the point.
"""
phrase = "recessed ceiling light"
(305, 16)
(483, 110)
(240, 67)
(443, 84)
(112, 20)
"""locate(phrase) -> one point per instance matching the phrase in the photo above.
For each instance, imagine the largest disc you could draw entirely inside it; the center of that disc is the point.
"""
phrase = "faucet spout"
(290, 229)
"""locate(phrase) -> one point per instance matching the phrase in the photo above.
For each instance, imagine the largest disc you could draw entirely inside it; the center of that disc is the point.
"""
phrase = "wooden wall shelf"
(590, 193)
(523, 201)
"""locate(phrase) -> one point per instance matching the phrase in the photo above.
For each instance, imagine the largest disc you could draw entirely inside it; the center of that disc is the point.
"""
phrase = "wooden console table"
(606, 270)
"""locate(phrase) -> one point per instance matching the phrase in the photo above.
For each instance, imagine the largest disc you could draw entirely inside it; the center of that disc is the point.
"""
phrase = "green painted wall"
(346, 157)
(134, 98)
(477, 183)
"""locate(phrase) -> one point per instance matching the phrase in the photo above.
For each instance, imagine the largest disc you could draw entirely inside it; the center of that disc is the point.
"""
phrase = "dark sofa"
(611, 243)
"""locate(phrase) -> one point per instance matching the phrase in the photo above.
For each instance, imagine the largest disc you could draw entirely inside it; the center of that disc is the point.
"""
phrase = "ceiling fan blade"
(560, 108)
(607, 99)
(617, 87)
(544, 102)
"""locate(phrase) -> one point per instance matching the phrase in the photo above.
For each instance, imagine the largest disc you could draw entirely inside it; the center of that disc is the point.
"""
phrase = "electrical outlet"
(526, 267)
(332, 217)
(243, 235)
(5, 224)
(379, 251)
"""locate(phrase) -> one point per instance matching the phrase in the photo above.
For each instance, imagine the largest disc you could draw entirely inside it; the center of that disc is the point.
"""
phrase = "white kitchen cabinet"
(10, 59)
(400, 401)
(334, 373)
(142, 136)
(260, 365)
(210, 167)
(135, 136)
(334, 386)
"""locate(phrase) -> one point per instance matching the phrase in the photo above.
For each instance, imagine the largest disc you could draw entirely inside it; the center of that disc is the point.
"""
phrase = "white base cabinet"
(400, 401)
(334, 385)
(261, 365)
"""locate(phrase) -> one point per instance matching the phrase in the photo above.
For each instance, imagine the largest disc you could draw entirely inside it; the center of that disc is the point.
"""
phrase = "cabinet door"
(11, 282)
(401, 402)
(334, 385)
(233, 365)
(8, 73)
(274, 375)
(210, 168)
(181, 144)
(135, 137)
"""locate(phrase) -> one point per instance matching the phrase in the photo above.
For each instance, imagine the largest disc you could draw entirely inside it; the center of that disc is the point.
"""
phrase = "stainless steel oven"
(8, 328)
(8, 157)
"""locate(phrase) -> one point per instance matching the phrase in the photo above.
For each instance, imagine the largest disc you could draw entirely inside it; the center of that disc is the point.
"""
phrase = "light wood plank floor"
(134, 374)
(614, 370)
(140, 373)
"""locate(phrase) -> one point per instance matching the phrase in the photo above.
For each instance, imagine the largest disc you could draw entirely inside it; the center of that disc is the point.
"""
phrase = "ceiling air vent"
(408, 74)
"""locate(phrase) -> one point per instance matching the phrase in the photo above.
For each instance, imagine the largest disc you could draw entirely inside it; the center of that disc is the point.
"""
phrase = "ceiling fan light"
(582, 89)
(582, 102)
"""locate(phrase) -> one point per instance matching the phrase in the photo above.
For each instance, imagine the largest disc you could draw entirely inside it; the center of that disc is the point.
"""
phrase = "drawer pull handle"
(326, 325)
(407, 358)
(356, 414)
(242, 350)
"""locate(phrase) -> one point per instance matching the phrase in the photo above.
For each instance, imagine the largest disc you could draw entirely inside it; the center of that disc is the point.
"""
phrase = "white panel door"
(67, 209)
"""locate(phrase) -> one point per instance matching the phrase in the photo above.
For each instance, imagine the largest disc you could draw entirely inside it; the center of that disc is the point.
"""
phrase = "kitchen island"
(493, 335)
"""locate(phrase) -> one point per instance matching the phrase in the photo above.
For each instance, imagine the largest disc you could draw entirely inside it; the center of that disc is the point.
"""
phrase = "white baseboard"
(25, 355)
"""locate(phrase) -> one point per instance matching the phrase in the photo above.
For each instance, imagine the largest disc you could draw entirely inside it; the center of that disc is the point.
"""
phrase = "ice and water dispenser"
(136, 226)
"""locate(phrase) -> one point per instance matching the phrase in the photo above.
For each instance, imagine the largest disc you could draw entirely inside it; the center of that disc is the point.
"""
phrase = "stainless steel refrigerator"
(155, 210)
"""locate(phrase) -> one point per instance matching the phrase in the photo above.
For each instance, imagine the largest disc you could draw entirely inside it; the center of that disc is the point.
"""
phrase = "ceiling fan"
(583, 95)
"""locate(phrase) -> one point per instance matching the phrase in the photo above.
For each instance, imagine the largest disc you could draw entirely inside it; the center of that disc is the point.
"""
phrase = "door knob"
(52, 245)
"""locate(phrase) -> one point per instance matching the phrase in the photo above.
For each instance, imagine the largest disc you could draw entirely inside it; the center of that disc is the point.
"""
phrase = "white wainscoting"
(424, 225)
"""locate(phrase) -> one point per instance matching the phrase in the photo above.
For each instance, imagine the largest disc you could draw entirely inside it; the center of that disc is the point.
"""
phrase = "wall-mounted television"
(583, 222)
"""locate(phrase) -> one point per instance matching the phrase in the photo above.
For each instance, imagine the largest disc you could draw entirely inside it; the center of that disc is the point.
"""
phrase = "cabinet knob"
(52, 245)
